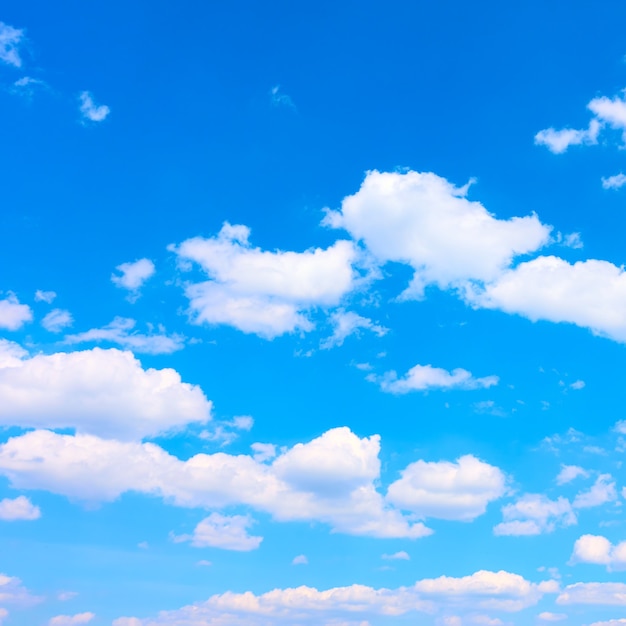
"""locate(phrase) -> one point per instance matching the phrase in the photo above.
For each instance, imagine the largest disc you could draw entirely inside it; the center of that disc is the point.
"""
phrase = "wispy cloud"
(10, 40)
(90, 110)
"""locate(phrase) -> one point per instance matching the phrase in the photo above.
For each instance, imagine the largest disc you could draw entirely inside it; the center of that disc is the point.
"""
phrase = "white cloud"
(601, 492)
(608, 594)
(558, 141)
(262, 292)
(609, 110)
(348, 323)
(397, 556)
(57, 320)
(612, 622)
(614, 182)
(534, 514)
(426, 377)
(281, 99)
(10, 40)
(263, 451)
(590, 294)
(13, 592)
(620, 427)
(303, 605)
(426, 222)
(64, 596)
(121, 332)
(578, 384)
(133, 275)
(300, 560)
(221, 531)
(547, 616)
(14, 315)
(330, 479)
(573, 240)
(20, 508)
(45, 296)
(71, 620)
(569, 473)
(104, 392)
(90, 110)
(599, 550)
(445, 490)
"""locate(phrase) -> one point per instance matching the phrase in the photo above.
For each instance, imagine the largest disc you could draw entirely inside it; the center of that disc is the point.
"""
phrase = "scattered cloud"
(262, 292)
(133, 275)
(614, 182)
(27, 85)
(397, 556)
(90, 110)
(20, 508)
(14, 315)
(547, 616)
(444, 490)
(280, 98)
(45, 296)
(599, 550)
(558, 141)
(10, 40)
(121, 332)
(535, 514)
(300, 560)
(569, 473)
(226, 533)
(601, 492)
(348, 323)
(606, 594)
(104, 392)
(427, 377)
(71, 620)
(578, 384)
(57, 320)
(64, 596)
(263, 451)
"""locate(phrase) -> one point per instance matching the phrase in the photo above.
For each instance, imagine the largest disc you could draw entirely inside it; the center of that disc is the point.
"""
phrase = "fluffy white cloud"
(71, 620)
(599, 550)
(90, 110)
(105, 392)
(20, 508)
(307, 606)
(608, 594)
(330, 479)
(558, 141)
(10, 40)
(590, 294)
(45, 296)
(14, 315)
(425, 377)
(133, 275)
(601, 492)
(225, 532)
(610, 110)
(423, 220)
(263, 292)
(614, 182)
(57, 320)
(534, 514)
(569, 473)
(455, 491)
(121, 332)
(348, 323)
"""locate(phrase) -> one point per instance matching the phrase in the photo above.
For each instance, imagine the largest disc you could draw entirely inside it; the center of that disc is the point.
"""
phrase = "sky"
(312, 313)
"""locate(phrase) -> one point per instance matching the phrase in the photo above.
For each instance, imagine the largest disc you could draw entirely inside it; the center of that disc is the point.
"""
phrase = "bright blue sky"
(312, 313)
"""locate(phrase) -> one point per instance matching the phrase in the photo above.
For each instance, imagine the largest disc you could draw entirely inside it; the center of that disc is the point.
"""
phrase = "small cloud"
(64, 596)
(57, 320)
(45, 296)
(224, 532)
(263, 451)
(569, 473)
(71, 620)
(27, 85)
(14, 315)
(300, 560)
(546, 616)
(204, 563)
(133, 276)
(243, 422)
(348, 323)
(280, 99)
(614, 182)
(90, 110)
(573, 240)
(558, 141)
(10, 40)
(397, 556)
(18, 509)
(579, 384)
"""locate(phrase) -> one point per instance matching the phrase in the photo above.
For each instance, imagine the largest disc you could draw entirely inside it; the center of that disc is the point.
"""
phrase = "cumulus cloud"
(45, 296)
(13, 592)
(444, 490)
(534, 514)
(121, 332)
(599, 550)
(601, 492)
(262, 292)
(104, 392)
(14, 315)
(350, 605)
(558, 141)
(423, 220)
(331, 479)
(348, 323)
(71, 620)
(569, 473)
(20, 508)
(614, 182)
(90, 110)
(10, 40)
(426, 377)
(607, 594)
(132, 276)
(300, 560)
(57, 320)
(225, 532)
(401, 556)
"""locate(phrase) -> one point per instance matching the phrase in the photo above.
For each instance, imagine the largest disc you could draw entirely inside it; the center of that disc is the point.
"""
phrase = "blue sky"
(312, 313)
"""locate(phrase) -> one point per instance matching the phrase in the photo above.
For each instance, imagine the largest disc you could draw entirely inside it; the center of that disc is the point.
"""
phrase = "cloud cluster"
(534, 514)
(14, 315)
(10, 40)
(225, 532)
(599, 550)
